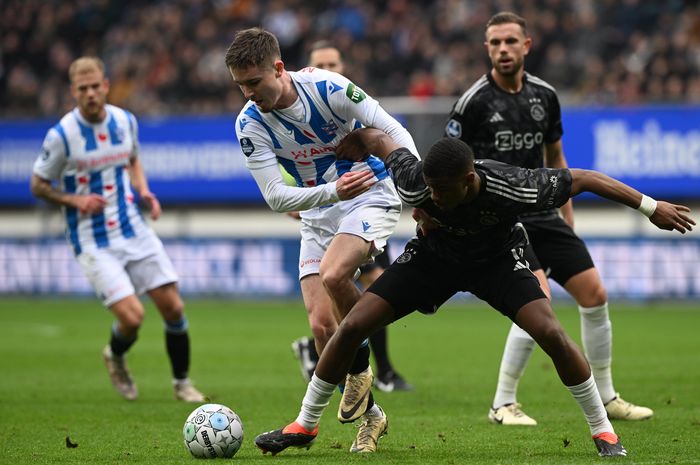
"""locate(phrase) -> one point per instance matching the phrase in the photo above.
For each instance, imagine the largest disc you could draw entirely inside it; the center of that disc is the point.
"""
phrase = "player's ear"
(527, 44)
(279, 68)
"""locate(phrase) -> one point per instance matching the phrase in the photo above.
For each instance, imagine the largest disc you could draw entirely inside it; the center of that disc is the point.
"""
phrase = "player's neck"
(289, 93)
(94, 119)
(511, 84)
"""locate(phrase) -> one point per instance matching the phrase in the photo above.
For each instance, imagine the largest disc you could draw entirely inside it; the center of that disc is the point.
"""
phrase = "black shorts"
(556, 249)
(417, 280)
(380, 261)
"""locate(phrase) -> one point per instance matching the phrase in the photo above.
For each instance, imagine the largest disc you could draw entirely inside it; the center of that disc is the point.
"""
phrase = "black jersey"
(486, 227)
(511, 128)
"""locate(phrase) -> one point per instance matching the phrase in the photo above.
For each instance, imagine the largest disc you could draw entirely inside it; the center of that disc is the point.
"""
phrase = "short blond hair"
(84, 65)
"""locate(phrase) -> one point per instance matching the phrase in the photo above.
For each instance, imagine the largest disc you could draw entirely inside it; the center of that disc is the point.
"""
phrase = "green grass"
(53, 385)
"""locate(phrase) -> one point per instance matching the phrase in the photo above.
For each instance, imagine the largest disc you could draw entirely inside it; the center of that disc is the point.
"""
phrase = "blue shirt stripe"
(88, 134)
(322, 128)
(255, 114)
(62, 132)
(322, 164)
(99, 228)
(72, 215)
(113, 130)
(122, 207)
(323, 92)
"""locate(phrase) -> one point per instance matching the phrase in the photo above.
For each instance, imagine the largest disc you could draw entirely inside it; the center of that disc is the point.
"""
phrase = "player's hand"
(294, 215)
(425, 222)
(669, 217)
(90, 204)
(151, 203)
(354, 183)
(352, 147)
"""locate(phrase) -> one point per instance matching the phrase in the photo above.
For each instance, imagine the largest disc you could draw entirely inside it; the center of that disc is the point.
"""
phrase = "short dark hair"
(507, 17)
(253, 47)
(448, 157)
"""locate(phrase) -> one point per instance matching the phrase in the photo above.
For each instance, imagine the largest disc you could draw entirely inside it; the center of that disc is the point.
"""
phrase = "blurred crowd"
(167, 57)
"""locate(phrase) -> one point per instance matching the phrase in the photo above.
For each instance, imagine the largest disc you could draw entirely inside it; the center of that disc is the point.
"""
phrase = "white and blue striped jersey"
(303, 138)
(89, 158)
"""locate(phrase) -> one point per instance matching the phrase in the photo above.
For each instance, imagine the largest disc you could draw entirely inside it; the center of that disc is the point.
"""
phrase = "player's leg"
(177, 340)
(387, 378)
(515, 292)
(538, 319)
(587, 289)
(153, 273)
(345, 254)
(129, 314)
(105, 271)
(560, 249)
(505, 409)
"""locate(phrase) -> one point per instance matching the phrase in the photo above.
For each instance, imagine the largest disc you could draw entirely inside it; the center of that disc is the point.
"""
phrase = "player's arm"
(49, 165)
(140, 185)
(43, 189)
(554, 158)
(405, 167)
(664, 215)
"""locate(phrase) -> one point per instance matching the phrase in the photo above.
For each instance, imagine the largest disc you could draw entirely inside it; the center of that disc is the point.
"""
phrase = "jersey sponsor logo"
(309, 261)
(297, 154)
(496, 118)
(453, 128)
(355, 94)
(247, 146)
(115, 159)
(537, 112)
(509, 140)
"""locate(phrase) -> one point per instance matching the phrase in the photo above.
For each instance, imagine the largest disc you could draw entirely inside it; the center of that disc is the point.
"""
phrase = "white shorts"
(132, 266)
(371, 216)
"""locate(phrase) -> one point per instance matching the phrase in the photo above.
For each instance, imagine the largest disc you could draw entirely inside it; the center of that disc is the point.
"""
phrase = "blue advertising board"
(194, 160)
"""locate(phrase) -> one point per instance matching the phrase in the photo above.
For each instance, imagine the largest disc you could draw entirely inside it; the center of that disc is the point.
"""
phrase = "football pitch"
(53, 386)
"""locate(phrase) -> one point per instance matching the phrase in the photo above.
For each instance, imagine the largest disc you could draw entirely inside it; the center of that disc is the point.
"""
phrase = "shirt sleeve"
(553, 187)
(460, 125)
(407, 173)
(555, 129)
(134, 128)
(52, 159)
(257, 146)
(354, 103)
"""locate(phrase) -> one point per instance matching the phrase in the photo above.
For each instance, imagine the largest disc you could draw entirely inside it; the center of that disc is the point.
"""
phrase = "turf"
(53, 386)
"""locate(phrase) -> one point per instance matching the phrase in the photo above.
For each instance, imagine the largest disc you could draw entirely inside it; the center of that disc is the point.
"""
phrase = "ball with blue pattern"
(213, 430)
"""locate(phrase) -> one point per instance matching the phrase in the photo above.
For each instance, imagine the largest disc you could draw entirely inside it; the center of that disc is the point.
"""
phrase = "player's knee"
(333, 278)
(596, 296)
(553, 339)
(131, 321)
(322, 330)
(173, 312)
(351, 332)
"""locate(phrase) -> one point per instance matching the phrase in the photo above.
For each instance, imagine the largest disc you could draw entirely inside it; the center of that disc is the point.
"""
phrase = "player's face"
(90, 88)
(507, 47)
(327, 58)
(447, 192)
(261, 84)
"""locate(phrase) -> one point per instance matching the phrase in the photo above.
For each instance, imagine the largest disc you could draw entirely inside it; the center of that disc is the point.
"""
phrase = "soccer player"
(324, 55)
(348, 210)
(477, 246)
(514, 117)
(93, 153)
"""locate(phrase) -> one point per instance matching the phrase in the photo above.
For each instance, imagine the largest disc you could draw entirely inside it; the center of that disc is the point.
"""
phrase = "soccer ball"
(213, 430)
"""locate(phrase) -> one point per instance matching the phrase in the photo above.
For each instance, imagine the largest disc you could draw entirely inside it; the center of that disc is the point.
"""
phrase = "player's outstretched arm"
(360, 143)
(664, 215)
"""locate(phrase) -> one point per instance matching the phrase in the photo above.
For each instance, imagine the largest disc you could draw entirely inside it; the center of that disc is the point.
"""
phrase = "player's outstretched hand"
(352, 147)
(354, 183)
(669, 216)
(90, 204)
(152, 204)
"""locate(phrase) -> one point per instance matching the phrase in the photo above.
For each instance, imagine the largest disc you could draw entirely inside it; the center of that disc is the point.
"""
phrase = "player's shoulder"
(312, 75)
(121, 114)
(248, 114)
(472, 94)
(499, 172)
(540, 84)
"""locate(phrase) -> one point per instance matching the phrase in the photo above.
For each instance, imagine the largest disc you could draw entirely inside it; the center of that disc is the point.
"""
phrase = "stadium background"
(626, 73)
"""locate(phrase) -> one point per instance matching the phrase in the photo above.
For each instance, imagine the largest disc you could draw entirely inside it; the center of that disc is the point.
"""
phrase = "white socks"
(596, 335)
(516, 354)
(587, 397)
(318, 395)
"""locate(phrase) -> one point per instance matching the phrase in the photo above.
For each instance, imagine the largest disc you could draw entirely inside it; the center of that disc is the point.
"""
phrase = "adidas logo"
(520, 266)
(496, 118)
